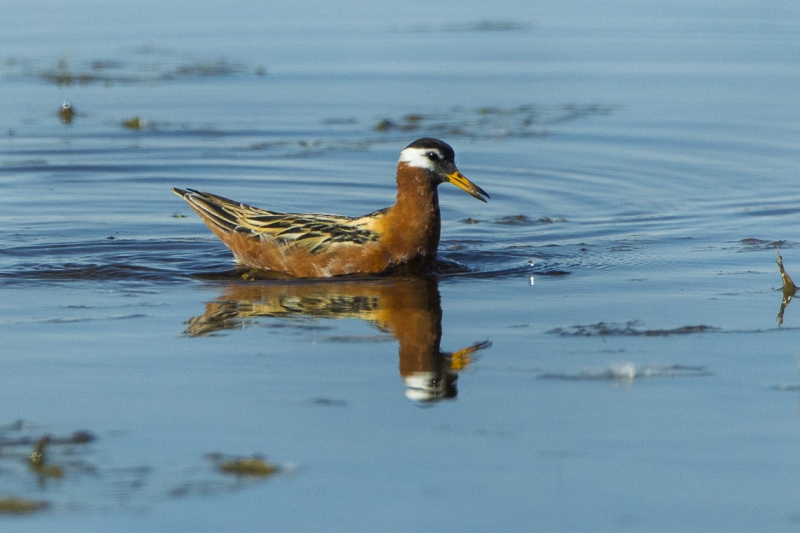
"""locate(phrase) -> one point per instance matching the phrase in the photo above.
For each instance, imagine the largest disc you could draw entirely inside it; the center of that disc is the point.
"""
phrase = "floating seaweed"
(115, 72)
(20, 506)
(255, 466)
(490, 122)
(789, 288)
(628, 329)
(523, 220)
(752, 244)
(78, 437)
(136, 123)
(40, 462)
(66, 113)
(52, 457)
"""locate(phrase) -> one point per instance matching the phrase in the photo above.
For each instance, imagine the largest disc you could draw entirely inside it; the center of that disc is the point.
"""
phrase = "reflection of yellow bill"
(458, 179)
(462, 358)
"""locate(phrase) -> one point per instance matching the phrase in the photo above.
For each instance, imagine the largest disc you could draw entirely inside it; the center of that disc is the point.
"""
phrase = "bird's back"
(287, 242)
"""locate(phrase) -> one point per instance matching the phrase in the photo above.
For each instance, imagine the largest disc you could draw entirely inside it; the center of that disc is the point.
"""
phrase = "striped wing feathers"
(312, 232)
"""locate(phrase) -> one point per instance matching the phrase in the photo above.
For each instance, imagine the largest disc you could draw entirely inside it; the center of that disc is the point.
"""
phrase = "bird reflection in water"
(408, 308)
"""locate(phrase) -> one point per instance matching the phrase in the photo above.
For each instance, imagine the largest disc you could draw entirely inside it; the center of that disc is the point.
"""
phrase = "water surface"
(608, 358)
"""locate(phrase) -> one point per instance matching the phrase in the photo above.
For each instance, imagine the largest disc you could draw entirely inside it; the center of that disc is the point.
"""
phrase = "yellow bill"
(458, 179)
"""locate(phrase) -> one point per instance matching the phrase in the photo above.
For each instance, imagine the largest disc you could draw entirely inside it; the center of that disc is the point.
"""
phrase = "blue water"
(610, 359)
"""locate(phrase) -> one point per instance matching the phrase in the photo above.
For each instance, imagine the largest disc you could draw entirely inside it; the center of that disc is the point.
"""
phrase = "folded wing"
(313, 233)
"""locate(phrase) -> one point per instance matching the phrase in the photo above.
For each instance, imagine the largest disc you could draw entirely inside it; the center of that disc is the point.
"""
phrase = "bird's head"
(438, 160)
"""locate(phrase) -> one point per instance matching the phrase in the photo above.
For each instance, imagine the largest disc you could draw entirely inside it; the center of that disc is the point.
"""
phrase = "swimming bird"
(318, 245)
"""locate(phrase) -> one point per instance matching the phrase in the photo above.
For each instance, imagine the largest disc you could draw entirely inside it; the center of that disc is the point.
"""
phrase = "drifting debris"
(629, 329)
(112, 72)
(66, 113)
(245, 466)
(789, 288)
(19, 506)
(38, 460)
(136, 123)
(491, 122)
(78, 437)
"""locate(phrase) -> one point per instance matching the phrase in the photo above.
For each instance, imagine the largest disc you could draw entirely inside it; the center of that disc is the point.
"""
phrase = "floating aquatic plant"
(245, 466)
(19, 506)
(789, 288)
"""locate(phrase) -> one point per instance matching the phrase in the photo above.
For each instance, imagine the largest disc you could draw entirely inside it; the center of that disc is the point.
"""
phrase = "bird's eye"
(433, 156)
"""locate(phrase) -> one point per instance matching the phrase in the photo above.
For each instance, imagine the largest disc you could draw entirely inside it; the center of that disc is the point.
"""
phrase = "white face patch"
(418, 157)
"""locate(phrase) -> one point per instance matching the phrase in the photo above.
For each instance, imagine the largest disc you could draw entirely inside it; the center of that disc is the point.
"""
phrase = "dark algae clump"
(789, 288)
(21, 506)
(244, 466)
(629, 329)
